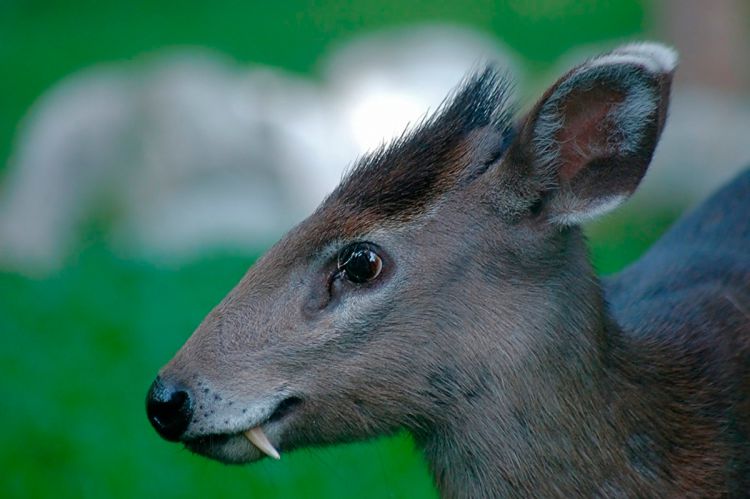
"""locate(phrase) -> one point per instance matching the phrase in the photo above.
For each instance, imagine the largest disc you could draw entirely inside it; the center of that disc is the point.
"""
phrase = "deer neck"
(537, 445)
(539, 428)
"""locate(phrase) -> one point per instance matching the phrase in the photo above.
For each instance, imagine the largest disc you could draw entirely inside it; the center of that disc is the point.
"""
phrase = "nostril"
(169, 410)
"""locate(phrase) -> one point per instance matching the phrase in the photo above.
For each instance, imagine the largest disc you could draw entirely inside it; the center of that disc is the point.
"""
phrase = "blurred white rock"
(186, 152)
(72, 146)
(226, 157)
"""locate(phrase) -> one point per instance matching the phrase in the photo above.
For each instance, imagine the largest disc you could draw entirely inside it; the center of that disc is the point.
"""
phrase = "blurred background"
(149, 152)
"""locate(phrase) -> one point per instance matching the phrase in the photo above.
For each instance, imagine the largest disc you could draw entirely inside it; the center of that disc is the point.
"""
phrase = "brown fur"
(488, 336)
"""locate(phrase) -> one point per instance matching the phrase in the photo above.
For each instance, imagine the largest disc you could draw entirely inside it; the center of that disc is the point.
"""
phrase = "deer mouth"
(258, 438)
(229, 447)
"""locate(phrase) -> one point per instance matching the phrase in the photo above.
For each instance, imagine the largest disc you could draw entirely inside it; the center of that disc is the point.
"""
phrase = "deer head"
(438, 286)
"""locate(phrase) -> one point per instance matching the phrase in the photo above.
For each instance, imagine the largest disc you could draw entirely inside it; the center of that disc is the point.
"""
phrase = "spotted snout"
(227, 429)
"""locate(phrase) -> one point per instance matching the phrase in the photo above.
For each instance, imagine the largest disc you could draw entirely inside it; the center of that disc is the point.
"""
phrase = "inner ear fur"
(588, 141)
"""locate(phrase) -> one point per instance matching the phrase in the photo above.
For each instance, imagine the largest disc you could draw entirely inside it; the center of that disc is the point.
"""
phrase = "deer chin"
(226, 448)
(242, 447)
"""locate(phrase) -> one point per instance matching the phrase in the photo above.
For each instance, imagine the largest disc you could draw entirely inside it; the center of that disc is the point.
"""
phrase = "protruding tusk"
(260, 440)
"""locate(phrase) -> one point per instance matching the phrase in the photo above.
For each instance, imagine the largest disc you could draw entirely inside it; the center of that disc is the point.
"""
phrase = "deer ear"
(590, 139)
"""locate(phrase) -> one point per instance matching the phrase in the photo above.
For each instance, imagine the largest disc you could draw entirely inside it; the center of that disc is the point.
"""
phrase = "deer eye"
(359, 263)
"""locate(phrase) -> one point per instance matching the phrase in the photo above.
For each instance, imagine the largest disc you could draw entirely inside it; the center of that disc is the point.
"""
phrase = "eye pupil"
(360, 264)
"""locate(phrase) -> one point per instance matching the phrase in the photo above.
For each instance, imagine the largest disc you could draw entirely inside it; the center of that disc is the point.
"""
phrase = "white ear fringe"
(655, 57)
(579, 211)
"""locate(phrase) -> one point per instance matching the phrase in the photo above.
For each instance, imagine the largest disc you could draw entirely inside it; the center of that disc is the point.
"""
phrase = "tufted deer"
(444, 288)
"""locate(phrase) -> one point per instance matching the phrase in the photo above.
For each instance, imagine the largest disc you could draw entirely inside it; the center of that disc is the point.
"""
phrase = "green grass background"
(78, 349)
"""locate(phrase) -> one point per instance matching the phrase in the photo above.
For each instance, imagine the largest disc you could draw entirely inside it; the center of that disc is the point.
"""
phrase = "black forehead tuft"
(403, 176)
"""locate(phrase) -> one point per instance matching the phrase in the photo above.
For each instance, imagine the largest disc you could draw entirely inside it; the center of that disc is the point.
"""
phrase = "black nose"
(169, 409)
